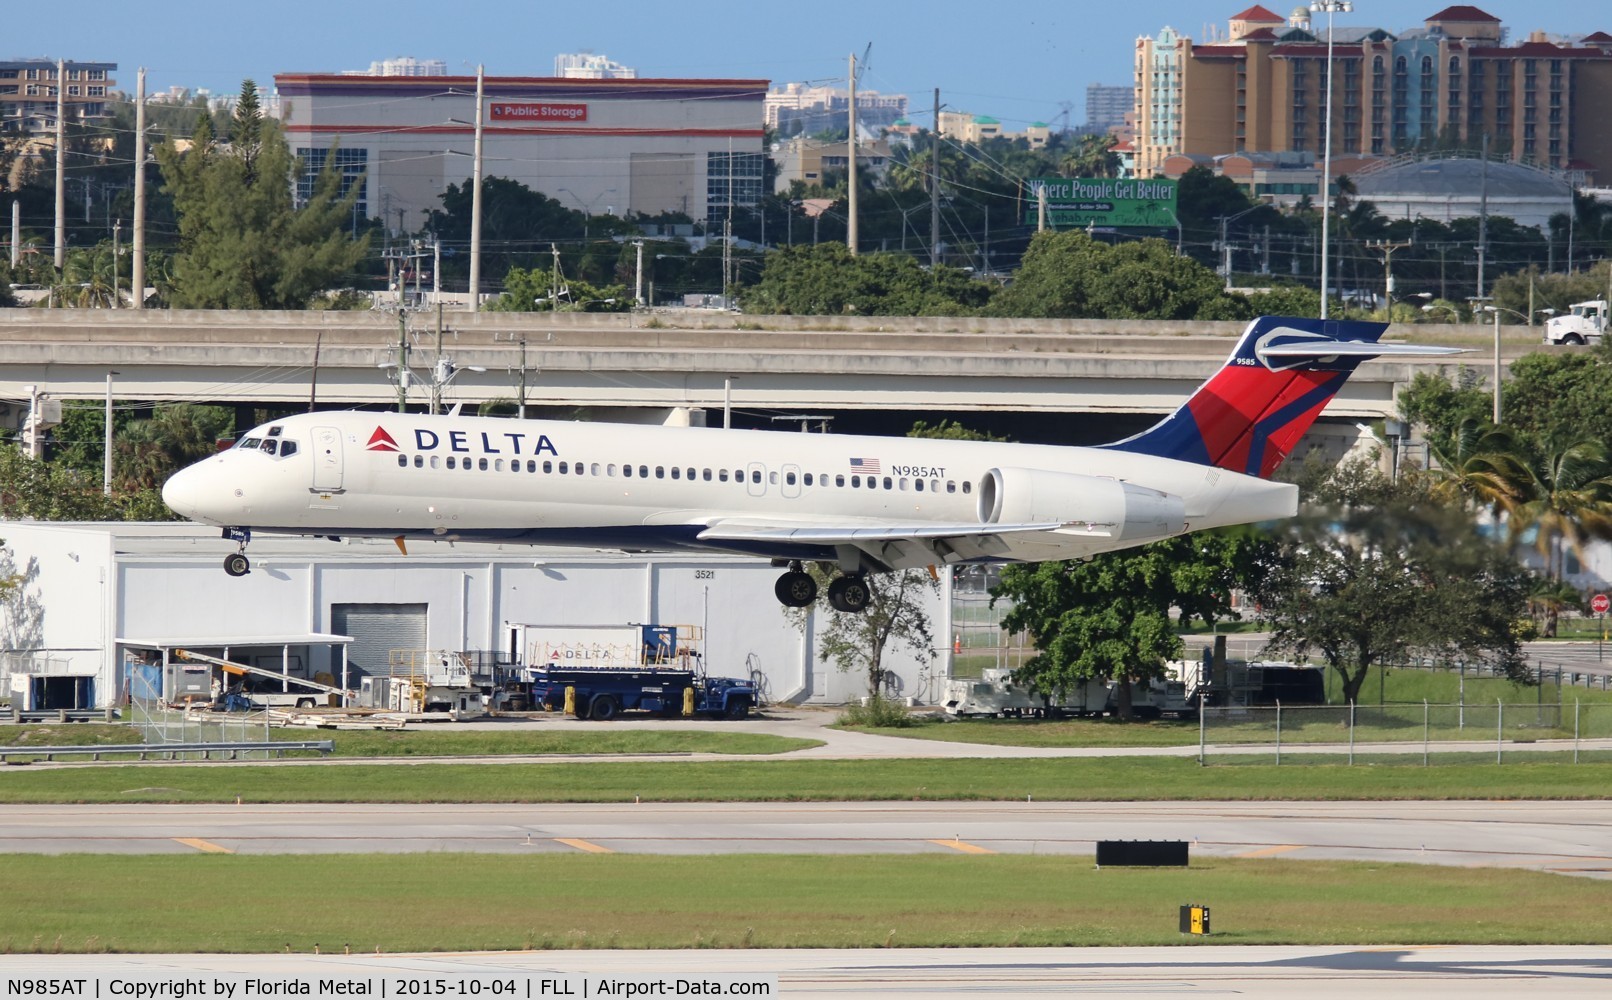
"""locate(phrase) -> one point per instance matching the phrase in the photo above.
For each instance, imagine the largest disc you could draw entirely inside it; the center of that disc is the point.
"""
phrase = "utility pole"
(638, 277)
(137, 272)
(1387, 248)
(438, 370)
(35, 427)
(402, 355)
(16, 232)
(106, 441)
(1483, 219)
(850, 159)
(1225, 248)
(934, 187)
(554, 280)
(727, 238)
(1041, 209)
(436, 274)
(61, 164)
(475, 203)
(117, 272)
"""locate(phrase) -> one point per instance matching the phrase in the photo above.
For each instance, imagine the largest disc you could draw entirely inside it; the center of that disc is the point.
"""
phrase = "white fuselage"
(651, 487)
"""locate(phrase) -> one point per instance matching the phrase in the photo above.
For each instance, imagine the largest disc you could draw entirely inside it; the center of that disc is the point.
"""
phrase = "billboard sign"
(1102, 201)
(538, 111)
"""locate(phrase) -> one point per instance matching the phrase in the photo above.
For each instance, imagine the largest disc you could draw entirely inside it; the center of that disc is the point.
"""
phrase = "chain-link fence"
(1428, 733)
(158, 724)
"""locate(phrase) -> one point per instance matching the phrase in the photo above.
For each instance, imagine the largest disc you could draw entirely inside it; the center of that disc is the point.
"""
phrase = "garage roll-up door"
(377, 629)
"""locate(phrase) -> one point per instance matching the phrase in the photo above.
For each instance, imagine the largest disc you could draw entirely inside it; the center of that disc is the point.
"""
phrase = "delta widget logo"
(381, 441)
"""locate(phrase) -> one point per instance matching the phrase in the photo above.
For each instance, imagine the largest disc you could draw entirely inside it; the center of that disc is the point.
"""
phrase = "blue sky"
(1014, 61)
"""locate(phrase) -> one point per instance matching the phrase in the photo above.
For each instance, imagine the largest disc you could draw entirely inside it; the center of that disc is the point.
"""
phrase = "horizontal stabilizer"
(1355, 349)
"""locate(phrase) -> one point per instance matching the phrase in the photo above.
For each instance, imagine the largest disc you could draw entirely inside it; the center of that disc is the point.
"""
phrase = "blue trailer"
(598, 672)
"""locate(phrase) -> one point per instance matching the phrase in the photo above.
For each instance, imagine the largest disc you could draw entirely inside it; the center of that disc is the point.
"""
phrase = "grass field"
(494, 740)
(1061, 779)
(451, 902)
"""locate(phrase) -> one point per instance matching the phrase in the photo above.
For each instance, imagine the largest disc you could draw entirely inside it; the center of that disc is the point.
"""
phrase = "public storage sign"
(538, 111)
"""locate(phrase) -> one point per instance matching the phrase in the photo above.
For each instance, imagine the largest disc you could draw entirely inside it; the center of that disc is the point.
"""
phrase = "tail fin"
(1280, 376)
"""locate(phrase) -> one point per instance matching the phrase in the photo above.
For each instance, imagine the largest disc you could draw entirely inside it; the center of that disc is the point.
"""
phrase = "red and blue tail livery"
(1250, 416)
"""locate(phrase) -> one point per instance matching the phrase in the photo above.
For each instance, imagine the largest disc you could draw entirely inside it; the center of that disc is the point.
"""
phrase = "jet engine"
(1104, 506)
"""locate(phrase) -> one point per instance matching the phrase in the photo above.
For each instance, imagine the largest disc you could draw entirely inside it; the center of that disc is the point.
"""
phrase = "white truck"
(1583, 323)
(996, 693)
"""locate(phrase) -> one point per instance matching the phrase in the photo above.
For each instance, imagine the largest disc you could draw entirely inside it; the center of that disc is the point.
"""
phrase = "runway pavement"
(1565, 837)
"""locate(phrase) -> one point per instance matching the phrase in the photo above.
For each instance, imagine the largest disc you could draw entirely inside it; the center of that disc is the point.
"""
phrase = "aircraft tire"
(236, 564)
(849, 593)
(795, 589)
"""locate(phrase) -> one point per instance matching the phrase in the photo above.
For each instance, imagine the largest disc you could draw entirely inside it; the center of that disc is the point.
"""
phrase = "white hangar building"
(602, 146)
(99, 597)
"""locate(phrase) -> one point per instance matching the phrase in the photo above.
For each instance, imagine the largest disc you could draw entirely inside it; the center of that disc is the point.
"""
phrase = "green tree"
(53, 491)
(1070, 274)
(1565, 490)
(531, 291)
(827, 280)
(1377, 568)
(1110, 617)
(149, 451)
(897, 616)
(243, 243)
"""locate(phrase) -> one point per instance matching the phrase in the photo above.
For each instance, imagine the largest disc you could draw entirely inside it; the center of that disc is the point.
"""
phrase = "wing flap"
(820, 534)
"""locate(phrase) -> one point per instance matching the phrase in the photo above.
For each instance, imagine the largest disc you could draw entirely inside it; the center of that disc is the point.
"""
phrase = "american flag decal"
(868, 465)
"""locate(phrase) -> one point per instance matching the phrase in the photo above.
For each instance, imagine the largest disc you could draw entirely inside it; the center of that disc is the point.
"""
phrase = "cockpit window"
(288, 448)
(271, 446)
(274, 432)
(250, 443)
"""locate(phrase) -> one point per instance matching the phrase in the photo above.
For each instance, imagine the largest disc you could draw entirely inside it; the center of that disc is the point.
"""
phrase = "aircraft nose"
(182, 492)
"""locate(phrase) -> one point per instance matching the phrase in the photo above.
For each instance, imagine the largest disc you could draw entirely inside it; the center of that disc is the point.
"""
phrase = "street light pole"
(1330, 7)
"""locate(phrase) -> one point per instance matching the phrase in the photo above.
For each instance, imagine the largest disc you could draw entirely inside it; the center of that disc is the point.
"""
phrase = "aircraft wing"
(890, 543)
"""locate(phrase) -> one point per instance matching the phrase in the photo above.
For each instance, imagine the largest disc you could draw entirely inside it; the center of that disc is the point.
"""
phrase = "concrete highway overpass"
(635, 366)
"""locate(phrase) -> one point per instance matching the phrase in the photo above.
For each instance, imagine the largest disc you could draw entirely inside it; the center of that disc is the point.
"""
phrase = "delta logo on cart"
(381, 441)
(538, 111)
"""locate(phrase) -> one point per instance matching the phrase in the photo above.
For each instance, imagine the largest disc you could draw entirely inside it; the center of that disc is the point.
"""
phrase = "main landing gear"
(236, 563)
(797, 589)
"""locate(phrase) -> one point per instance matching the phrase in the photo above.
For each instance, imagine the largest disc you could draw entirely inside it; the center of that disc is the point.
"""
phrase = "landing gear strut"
(236, 563)
(796, 588)
(849, 593)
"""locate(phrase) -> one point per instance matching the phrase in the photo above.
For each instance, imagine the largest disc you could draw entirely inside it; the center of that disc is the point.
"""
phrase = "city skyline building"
(1446, 84)
(28, 92)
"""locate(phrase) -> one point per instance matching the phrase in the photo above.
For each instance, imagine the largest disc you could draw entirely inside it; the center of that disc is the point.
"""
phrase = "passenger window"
(451, 464)
(772, 479)
(755, 476)
(887, 483)
(901, 484)
(660, 472)
(643, 472)
(839, 480)
(856, 481)
(934, 486)
(482, 465)
(611, 469)
(677, 473)
(626, 470)
(498, 465)
(706, 475)
(548, 467)
(287, 448)
(789, 477)
(951, 486)
(722, 475)
(691, 473)
(419, 461)
(531, 465)
(967, 486)
(564, 468)
(917, 484)
(594, 469)
(435, 462)
(402, 461)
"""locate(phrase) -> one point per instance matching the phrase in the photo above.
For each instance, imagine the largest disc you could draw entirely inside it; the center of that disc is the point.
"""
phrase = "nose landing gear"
(236, 563)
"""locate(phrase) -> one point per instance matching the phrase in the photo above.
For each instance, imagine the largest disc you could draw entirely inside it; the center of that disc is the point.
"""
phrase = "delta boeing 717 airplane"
(857, 504)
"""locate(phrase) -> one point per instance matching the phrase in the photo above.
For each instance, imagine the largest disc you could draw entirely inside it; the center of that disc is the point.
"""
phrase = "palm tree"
(1566, 492)
(1478, 469)
(1094, 157)
(1550, 598)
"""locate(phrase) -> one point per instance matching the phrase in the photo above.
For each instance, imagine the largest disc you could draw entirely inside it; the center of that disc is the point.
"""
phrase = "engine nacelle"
(1030, 496)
